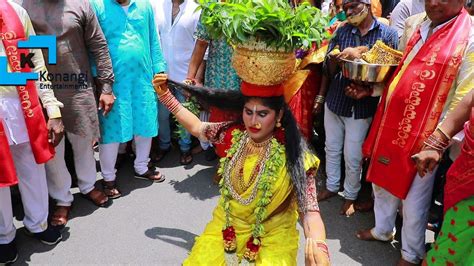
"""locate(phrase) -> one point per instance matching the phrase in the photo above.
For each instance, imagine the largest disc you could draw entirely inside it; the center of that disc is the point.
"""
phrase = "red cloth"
(412, 113)
(460, 177)
(301, 104)
(222, 147)
(249, 89)
(12, 31)
(7, 167)
(217, 115)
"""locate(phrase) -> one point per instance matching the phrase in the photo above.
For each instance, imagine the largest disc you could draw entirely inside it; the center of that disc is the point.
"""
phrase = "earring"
(278, 124)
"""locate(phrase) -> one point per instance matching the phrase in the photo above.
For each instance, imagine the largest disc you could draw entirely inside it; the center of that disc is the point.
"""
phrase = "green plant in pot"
(265, 34)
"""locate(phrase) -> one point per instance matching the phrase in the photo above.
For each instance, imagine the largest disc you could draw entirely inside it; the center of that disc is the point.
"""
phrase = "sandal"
(111, 190)
(364, 206)
(160, 155)
(99, 198)
(151, 175)
(60, 216)
(186, 158)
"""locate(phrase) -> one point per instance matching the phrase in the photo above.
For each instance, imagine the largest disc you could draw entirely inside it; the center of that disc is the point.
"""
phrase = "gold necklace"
(250, 148)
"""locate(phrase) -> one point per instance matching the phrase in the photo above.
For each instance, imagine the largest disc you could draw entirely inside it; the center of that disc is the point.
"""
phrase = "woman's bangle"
(444, 133)
(319, 99)
(193, 81)
(170, 102)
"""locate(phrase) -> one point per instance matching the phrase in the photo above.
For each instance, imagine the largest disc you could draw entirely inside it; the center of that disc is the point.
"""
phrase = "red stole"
(12, 31)
(412, 113)
(460, 177)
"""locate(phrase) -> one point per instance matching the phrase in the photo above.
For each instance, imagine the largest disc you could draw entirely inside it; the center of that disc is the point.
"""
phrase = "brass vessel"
(263, 67)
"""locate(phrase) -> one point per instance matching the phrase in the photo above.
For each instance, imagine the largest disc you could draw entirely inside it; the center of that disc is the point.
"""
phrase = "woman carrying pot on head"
(267, 179)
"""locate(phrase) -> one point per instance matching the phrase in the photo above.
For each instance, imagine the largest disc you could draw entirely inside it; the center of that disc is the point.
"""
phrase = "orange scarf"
(11, 32)
(412, 113)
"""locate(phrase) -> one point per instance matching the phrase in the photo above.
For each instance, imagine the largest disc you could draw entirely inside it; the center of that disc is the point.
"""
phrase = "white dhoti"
(415, 216)
(58, 176)
(34, 194)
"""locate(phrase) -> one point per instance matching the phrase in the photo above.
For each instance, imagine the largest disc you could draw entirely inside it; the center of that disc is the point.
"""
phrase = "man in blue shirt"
(347, 120)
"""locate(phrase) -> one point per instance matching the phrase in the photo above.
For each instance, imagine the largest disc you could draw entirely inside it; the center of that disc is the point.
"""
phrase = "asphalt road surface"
(155, 224)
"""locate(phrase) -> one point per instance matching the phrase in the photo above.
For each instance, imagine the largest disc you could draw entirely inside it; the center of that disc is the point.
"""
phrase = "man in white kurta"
(176, 21)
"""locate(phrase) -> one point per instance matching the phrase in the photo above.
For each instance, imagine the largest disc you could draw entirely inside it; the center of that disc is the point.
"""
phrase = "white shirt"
(325, 7)
(11, 114)
(177, 39)
(403, 10)
(125, 8)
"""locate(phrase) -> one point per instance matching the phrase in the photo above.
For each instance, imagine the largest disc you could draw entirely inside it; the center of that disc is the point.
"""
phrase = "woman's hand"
(315, 253)
(317, 108)
(160, 84)
(426, 160)
(190, 81)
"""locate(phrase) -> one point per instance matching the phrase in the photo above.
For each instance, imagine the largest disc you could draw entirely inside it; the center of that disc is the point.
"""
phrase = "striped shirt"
(349, 36)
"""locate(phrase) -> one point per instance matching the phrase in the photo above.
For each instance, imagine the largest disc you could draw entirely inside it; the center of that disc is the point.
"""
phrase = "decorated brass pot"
(263, 66)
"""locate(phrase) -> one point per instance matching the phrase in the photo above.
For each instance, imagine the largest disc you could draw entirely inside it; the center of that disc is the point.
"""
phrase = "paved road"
(157, 223)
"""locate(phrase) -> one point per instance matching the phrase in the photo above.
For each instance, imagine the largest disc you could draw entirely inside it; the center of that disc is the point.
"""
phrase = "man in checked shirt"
(347, 120)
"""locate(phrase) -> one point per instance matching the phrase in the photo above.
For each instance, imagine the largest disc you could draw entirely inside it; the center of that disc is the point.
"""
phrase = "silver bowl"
(364, 72)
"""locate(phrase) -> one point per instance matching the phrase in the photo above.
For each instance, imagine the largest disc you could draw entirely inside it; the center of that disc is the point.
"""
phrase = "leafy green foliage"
(193, 106)
(273, 22)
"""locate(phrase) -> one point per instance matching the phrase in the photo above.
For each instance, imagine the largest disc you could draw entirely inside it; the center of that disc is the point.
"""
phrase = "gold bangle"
(319, 99)
(444, 133)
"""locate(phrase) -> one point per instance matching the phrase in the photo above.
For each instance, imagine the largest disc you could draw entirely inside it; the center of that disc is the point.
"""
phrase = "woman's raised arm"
(189, 121)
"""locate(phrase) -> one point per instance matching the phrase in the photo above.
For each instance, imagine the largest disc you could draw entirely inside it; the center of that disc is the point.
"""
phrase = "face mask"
(358, 18)
(341, 16)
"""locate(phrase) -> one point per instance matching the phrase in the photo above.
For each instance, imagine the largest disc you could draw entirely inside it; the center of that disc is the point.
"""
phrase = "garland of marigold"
(265, 183)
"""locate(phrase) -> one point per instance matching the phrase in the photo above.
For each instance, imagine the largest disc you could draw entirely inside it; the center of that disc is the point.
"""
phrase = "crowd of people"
(142, 61)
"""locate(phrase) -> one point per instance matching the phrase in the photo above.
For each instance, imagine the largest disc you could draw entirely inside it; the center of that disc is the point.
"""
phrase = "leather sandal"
(151, 175)
(60, 216)
(99, 198)
(186, 158)
(111, 190)
(160, 155)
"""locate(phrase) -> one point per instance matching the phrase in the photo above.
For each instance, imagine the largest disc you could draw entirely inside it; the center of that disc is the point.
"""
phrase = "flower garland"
(265, 180)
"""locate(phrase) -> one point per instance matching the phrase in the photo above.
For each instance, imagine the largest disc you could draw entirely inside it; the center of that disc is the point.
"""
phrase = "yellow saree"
(279, 244)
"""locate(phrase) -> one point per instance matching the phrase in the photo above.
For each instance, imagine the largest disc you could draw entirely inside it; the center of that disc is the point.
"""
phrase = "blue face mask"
(341, 16)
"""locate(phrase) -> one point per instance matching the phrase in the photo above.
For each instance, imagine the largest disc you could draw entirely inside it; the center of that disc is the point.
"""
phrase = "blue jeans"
(165, 131)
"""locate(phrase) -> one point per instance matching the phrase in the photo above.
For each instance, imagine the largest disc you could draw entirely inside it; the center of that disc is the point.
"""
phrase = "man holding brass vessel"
(347, 120)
